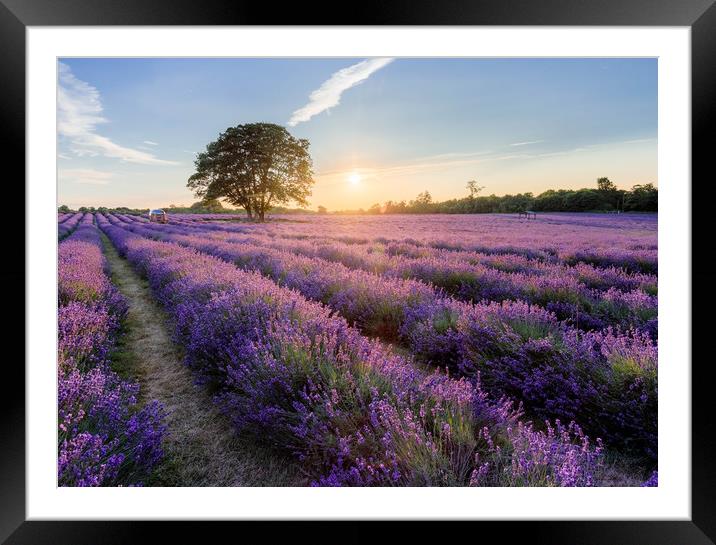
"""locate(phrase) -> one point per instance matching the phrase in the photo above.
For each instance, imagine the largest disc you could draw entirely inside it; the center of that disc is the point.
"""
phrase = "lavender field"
(408, 350)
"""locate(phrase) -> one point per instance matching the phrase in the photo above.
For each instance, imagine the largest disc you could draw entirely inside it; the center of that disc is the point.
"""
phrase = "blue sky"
(380, 129)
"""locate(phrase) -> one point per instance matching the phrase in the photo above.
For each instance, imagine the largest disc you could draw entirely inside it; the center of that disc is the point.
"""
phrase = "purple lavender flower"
(653, 479)
(105, 439)
(303, 378)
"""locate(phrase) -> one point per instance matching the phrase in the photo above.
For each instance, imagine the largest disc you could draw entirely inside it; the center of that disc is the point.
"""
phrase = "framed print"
(407, 267)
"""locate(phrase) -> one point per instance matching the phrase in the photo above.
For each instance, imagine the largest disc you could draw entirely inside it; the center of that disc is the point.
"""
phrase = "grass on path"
(201, 446)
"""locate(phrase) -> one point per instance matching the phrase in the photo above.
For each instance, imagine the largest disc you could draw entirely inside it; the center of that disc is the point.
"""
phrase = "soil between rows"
(201, 446)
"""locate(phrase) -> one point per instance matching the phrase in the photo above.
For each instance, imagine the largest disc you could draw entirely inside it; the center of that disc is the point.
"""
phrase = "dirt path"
(201, 448)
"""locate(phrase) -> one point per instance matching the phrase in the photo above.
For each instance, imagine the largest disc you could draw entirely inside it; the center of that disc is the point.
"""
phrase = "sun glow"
(354, 178)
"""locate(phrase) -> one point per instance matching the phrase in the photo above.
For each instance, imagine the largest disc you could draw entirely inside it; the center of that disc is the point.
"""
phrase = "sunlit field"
(362, 350)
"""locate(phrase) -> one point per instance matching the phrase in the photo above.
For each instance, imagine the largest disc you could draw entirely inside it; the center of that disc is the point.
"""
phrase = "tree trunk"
(261, 215)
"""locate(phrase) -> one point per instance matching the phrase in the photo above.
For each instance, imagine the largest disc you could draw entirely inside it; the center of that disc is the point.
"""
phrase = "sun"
(354, 178)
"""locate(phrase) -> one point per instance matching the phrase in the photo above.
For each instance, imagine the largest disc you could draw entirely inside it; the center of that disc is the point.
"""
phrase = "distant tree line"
(604, 198)
(64, 209)
(211, 206)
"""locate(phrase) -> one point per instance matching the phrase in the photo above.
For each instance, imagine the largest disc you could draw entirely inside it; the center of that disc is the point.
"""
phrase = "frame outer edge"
(703, 104)
(12, 401)
(12, 117)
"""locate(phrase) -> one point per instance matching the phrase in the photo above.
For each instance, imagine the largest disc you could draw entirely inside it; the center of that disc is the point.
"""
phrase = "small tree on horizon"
(254, 166)
(474, 189)
(424, 198)
(422, 203)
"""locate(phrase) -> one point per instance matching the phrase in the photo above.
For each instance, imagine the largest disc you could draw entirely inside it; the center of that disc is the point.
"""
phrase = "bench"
(527, 214)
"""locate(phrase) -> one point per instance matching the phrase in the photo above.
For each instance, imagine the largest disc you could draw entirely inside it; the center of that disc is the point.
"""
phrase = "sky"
(379, 129)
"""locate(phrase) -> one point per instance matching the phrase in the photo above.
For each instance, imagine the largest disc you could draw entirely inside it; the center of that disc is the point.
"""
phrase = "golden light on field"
(354, 178)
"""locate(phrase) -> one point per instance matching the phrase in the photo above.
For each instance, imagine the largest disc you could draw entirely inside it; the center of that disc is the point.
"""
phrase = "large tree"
(254, 166)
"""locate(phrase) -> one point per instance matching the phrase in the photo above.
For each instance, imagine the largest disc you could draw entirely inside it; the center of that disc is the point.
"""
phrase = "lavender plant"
(520, 350)
(104, 437)
(296, 375)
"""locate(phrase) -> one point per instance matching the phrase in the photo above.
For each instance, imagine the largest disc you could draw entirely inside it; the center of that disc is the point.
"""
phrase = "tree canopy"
(642, 197)
(605, 185)
(254, 166)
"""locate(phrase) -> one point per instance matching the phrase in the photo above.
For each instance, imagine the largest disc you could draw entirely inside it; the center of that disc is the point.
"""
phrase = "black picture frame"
(699, 15)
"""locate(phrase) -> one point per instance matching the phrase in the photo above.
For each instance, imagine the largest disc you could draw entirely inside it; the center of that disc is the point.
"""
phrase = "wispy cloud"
(85, 176)
(526, 143)
(79, 111)
(149, 143)
(329, 93)
(638, 141)
(441, 163)
(418, 164)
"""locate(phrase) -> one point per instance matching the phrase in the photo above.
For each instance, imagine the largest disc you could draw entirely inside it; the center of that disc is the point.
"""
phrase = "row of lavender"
(625, 241)
(354, 413)
(607, 380)
(588, 297)
(69, 224)
(104, 438)
(372, 254)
